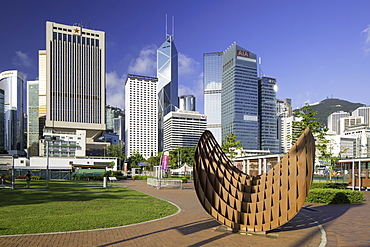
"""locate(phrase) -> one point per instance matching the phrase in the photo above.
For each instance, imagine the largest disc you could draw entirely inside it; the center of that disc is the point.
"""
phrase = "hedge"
(319, 185)
(334, 196)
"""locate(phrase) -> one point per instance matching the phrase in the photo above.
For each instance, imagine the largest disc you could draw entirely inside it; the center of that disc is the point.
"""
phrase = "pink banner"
(165, 162)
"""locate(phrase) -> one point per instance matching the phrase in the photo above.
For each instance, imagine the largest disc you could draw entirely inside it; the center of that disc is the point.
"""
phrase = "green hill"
(328, 106)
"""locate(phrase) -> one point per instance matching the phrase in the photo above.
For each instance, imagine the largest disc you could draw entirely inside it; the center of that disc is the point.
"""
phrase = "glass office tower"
(239, 96)
(267, 113)
(2, 133)
(11, 83)
(167, 74)
(212, 84)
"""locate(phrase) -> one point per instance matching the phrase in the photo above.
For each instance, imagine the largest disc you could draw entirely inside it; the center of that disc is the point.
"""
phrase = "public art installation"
(253, 203)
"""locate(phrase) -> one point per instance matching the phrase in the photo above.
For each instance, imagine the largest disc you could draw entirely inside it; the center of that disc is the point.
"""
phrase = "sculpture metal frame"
(253, 203)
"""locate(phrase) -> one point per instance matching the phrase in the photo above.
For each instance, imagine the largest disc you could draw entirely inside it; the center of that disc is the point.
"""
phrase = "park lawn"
(21, 183)
(25, 211)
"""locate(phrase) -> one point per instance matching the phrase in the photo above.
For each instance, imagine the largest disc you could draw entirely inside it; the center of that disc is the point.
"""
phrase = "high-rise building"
(239, 96)
(33, 118)
(187, 102)
(75, 79)
(2, 132)
(212, 84)
(167, 74)
(333, 121)
(11, 82)
(183, 129)
(119, 128)
(364, 112)
(141, 115)
(267, 114)
(284, 107)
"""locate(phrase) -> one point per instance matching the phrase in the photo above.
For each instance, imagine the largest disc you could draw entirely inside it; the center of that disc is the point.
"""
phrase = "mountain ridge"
(328, 106)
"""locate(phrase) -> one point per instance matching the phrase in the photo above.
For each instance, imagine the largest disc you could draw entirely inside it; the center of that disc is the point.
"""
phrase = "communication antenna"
(166, 27)
(260, 67)
(173, 27)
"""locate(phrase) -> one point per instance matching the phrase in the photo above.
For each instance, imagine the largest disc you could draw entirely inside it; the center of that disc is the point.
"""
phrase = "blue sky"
(315, 49)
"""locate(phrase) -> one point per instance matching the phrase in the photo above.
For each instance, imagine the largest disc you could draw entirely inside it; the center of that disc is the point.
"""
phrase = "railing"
(164, 183)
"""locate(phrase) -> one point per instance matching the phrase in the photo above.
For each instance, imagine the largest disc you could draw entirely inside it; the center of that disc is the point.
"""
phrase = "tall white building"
(183, 129)
(33, 118)
(364, 112)
(141, 115)
(75, 79)
(11, 82)
(347, 122)
(333, 121)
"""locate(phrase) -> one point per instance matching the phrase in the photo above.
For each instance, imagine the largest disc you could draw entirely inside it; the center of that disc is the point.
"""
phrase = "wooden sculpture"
(253, 203)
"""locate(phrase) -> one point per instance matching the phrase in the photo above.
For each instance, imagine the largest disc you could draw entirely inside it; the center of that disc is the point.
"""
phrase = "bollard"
(104, 182)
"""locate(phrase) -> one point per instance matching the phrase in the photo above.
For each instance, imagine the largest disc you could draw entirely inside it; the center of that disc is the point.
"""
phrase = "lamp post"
(47, 164)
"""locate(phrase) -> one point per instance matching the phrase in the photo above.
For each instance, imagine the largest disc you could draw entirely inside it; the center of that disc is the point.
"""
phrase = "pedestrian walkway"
(334, 225)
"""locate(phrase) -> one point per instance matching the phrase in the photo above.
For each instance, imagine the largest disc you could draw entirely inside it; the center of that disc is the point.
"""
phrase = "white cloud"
(22, 59)
(367, 39)
(146, 63)
(115, 90)
(187, 65)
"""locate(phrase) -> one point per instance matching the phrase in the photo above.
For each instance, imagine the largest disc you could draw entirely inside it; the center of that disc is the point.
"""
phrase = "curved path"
(343, 225)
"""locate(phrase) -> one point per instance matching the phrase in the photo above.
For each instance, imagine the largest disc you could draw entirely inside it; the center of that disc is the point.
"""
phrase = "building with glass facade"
(239, 96)
(75, 79)
(212, 85)
(267, 114)
(167, 74)
(33, 118)
(11, 82)
(141, 116)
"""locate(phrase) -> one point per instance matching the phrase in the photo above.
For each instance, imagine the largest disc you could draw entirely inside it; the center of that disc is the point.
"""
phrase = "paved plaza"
(314, 225)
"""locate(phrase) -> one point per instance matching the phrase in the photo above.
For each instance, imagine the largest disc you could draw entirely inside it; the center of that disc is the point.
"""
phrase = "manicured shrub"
(334, 196)
(320, 185)
(35, 177)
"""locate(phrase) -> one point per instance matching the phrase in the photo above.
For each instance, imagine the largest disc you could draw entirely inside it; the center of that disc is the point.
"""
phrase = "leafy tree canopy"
(231, 146)
(133, 160)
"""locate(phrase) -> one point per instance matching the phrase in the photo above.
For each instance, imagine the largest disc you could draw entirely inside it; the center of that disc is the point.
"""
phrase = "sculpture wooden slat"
(253, 203)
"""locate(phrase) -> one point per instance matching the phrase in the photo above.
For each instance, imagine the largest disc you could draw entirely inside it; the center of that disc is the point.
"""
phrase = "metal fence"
(164, 183)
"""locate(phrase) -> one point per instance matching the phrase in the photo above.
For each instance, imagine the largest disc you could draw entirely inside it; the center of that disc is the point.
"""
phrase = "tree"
(180, 156)
(116, 151)
(133, 160)
(323, 145)
(231, 146)
(154, 161)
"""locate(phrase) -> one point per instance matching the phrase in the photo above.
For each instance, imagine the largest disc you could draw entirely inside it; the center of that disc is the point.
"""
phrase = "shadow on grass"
(39, 196)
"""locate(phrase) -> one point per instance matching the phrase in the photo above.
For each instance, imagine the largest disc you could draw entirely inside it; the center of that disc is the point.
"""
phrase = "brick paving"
(344, 225)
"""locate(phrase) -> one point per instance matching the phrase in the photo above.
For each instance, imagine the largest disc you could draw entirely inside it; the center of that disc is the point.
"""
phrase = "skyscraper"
(141, 115)
(75, 79)
(11, 82)
(267, 114)
(212, 84)
(333, 121)
(33, 118)
(239, 96)
(167, 74)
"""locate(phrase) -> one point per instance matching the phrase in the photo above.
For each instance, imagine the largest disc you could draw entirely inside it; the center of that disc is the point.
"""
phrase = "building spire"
(171, 36)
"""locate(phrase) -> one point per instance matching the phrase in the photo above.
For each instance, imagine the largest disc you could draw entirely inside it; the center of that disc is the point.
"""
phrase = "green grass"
(20, 183)
(25, 211)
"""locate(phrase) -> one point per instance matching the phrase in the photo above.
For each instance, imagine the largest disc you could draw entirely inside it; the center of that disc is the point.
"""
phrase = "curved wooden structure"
(253, 203)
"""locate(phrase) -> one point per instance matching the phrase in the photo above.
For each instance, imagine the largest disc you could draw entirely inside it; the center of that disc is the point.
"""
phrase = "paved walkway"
(343, 225)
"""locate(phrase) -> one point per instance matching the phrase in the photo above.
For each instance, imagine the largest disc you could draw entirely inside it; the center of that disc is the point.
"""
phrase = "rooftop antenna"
(260, 67)
(173, 27)
(166, 27)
